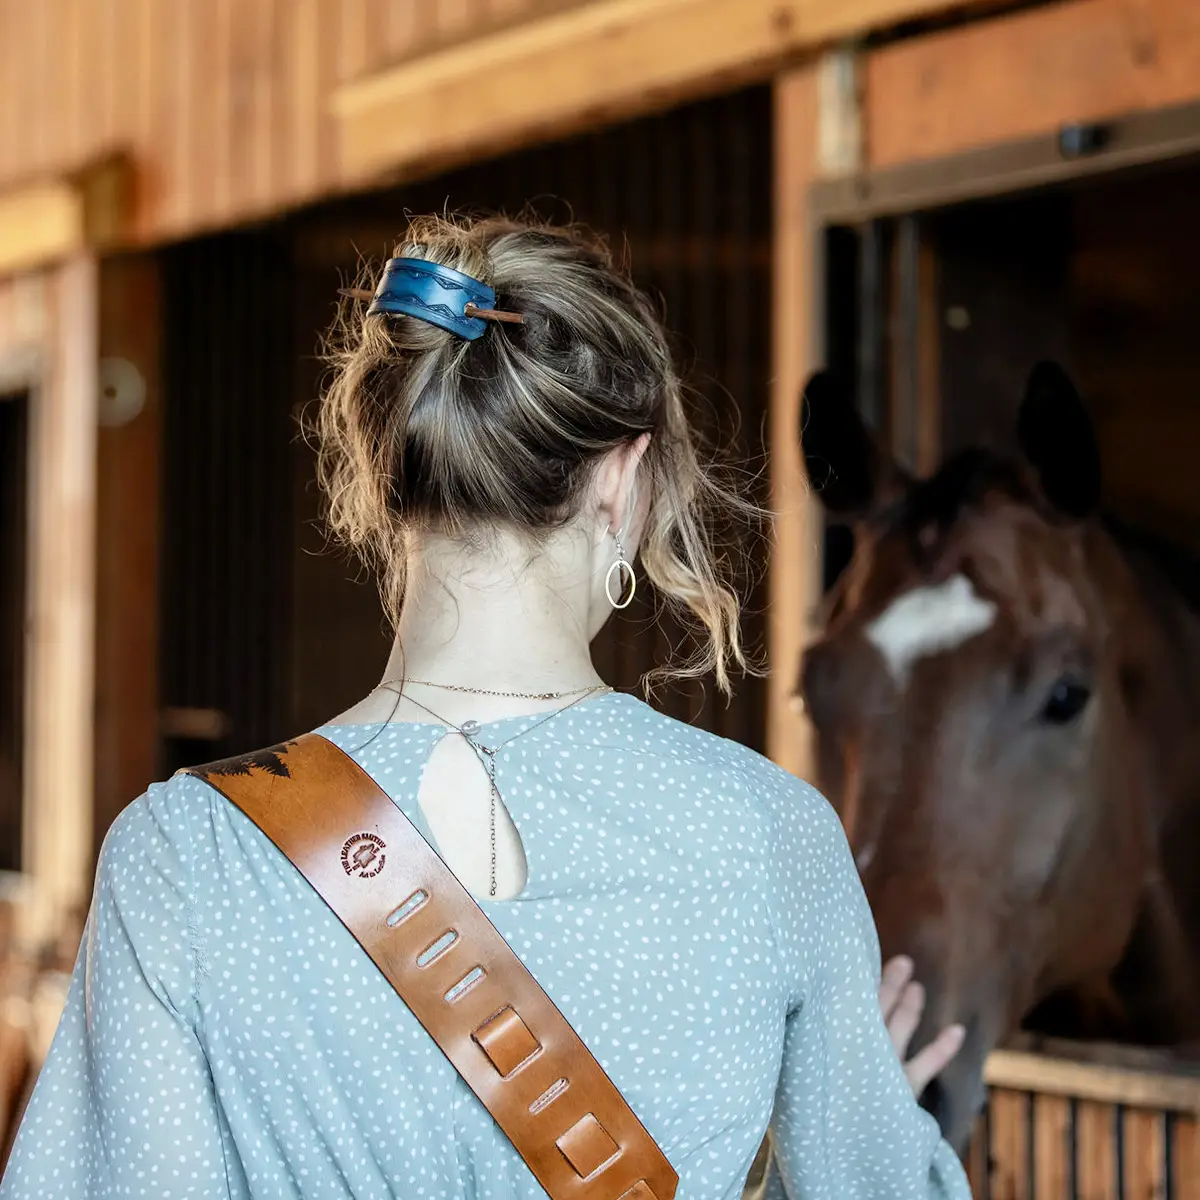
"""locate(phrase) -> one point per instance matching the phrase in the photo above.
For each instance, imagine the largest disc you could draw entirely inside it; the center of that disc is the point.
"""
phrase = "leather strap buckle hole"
(548, 1097)
(507, 1042)
(436, 949)
(465, 984)
(406, 910)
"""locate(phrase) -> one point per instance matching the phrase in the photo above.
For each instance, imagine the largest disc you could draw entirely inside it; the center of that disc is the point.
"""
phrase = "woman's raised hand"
(902, 999)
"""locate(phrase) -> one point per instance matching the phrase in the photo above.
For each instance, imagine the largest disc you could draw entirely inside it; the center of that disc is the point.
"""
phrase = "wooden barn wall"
(221, 104)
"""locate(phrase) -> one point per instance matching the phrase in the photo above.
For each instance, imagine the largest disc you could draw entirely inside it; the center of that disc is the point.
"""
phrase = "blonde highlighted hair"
(421, 429)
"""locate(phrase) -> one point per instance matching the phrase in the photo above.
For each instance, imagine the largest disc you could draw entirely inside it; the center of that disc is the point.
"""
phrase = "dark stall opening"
(1102, 276)
(14, 511)
(266, 630)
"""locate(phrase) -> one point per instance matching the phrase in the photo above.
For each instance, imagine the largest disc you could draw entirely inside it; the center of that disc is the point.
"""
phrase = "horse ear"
(1058, 440)
(845, 465)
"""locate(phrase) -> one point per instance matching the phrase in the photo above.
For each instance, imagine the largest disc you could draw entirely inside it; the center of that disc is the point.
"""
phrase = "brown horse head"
(976, 693)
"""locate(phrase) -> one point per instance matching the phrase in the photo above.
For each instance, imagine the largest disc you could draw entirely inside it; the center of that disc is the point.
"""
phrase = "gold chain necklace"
(469, 730)
(474, 691)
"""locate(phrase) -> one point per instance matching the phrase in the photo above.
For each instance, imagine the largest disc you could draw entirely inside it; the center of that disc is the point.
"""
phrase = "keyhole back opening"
(454, 797)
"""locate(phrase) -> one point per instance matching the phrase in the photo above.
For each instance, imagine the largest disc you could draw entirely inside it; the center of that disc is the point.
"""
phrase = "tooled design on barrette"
(414, 287)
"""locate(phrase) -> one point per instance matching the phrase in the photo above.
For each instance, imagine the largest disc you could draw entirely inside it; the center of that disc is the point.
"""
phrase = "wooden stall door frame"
(60, 373)
(21, 371)
(50, 233)
(1072, 1147)
(810, 201)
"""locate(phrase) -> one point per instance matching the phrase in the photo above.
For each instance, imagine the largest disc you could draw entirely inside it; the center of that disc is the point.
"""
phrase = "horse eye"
(1067, 699)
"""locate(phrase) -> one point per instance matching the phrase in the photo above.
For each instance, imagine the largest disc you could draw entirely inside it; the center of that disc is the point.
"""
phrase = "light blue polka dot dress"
(692, 909)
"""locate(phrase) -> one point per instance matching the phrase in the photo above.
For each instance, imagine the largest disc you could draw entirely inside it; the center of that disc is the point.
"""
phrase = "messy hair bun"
(422, 429)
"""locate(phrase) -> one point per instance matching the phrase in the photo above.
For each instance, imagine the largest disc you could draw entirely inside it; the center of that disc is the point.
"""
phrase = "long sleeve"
(124, 1103)
(846, 1124)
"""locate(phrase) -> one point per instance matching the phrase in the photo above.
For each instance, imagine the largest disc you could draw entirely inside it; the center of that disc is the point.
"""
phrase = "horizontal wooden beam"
(584, 66)
(1027, 73)
(51, 220)
(1016, 1070)
(40, 223)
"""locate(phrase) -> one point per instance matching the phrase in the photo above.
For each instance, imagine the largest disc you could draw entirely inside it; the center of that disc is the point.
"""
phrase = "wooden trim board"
(585, 66)
(1031, 1072)
(1026, 73)
(40, 223)
(48, 221)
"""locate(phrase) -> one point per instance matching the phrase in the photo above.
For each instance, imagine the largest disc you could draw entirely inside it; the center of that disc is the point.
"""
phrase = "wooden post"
(795, 579)
(127, 525)
(60, 659)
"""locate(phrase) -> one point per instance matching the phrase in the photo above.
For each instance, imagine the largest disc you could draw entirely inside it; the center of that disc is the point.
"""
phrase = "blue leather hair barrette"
(435, 293)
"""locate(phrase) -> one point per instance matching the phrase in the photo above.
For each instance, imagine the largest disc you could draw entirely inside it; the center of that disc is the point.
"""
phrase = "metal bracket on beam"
(840, 148)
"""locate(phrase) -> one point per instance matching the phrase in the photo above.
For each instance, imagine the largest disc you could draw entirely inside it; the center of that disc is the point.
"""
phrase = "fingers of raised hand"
(897, 975)
(924, 1066)
(906, 1016)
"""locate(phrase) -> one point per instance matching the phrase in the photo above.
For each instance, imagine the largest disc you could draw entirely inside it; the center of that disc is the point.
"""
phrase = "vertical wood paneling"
(454, 16)
(25, 129)
(127, 50)
(266, 157)
(178, 91)
(1032, 1146)
(1096, 1134)
(1145, 1146)
(39, 59)
(9, 156)
(401, 23)
(223, 126)
(206, 50)
(223, 104)
(1185, 1157)
(1053, 1170)
(322, 123)
(110, 54)
(1008, 1138)
(74, 77)
(306, 74)
(159, 177)
(250, 158)
(353, 38)
(377, 50)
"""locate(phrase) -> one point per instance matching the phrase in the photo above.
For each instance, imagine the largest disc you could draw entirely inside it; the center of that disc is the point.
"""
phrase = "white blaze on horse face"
(927, 621)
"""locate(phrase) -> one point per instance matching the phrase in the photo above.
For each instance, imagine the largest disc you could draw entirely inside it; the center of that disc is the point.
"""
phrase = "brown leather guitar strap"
(452, 968)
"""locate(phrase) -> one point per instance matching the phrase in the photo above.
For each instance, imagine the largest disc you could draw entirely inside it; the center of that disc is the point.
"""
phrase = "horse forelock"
(961, 550)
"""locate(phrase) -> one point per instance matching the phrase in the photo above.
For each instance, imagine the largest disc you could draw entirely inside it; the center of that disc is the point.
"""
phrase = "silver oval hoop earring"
(625, 574)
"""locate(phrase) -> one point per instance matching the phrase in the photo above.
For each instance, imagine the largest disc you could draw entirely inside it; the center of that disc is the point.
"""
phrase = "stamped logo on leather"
(363, 855)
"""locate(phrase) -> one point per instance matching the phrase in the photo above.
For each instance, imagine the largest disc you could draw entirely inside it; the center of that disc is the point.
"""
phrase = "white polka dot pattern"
(691, 908)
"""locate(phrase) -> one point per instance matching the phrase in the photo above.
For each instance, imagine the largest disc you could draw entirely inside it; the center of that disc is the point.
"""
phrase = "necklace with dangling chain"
(458, 687)
(469, 730)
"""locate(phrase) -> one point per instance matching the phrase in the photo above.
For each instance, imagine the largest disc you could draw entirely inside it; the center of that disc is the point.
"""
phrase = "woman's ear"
(616, 483)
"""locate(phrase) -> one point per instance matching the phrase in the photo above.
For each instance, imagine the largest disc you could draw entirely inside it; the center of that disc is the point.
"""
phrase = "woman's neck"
(503, 618)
